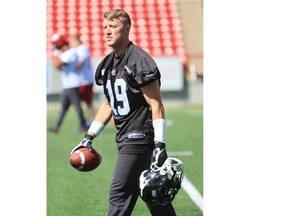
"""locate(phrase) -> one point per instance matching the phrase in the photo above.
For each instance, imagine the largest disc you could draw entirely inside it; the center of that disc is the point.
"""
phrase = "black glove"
(86, 142)
(159, 154)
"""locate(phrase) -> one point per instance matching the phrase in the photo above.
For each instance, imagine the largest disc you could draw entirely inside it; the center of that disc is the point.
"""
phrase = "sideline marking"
(169, 122)
(180, 153)
(192, 192)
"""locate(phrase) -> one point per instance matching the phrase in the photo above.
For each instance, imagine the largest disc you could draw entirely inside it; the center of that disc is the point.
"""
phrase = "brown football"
(84, 160)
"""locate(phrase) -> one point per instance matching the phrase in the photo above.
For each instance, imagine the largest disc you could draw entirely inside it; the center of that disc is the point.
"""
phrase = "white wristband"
(159, 130)
(95, 128)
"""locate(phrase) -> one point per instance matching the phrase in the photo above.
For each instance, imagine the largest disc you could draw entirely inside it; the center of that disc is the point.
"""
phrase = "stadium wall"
(176, 88)
(191, 16)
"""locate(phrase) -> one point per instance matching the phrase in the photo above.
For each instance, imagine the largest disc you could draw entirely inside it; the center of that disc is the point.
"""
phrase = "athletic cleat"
(53, 129)
(82, 129)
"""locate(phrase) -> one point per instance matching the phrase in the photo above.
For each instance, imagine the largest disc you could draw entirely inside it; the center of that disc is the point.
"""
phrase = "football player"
(65, 60)
(85, 70)
(131, 84)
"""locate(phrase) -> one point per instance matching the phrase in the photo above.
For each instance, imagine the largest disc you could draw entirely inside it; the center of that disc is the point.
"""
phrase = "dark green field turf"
(74, 193)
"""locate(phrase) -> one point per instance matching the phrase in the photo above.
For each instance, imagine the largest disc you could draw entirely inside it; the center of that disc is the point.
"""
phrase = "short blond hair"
(118, 14)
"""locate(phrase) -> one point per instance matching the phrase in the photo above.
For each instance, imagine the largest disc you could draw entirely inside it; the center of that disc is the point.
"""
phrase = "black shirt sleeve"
(101, 69)
(145, 70)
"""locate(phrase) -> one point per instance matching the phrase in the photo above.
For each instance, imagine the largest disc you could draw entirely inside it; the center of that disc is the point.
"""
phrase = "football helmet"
(58, 41)
(159, 185)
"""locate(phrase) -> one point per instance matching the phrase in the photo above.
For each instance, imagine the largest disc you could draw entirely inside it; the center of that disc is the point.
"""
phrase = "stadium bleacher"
(155, 24)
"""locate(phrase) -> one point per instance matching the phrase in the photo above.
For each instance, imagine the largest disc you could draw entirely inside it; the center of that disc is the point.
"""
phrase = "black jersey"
(122, 79)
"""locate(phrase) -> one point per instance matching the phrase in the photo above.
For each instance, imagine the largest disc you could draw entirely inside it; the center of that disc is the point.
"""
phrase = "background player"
(131, 84)
(86, 74)
(65, 60)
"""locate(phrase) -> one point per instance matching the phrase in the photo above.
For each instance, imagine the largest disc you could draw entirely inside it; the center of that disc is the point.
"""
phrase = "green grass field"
(74, 193)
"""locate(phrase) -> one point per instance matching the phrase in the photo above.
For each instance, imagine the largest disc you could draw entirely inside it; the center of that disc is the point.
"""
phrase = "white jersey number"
(121, 96)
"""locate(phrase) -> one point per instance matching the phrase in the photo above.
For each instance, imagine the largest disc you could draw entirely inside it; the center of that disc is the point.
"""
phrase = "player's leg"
(76, 101)
(86, 94)
(167, 210)
(124, 190)
(65, 103)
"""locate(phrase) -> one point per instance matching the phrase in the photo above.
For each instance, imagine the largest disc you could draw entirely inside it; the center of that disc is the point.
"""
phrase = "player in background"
(65, 60)
(86, 73)
(131, 85)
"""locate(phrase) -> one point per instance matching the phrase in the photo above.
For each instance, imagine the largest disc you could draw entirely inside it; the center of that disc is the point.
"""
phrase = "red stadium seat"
(155, 24)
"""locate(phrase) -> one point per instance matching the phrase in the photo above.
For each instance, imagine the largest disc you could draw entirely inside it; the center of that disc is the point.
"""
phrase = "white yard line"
(189, 188)
(192, 192)
(180, 153)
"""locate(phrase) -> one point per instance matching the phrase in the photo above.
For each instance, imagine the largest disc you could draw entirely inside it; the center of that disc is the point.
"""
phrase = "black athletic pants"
(124, 190)
(68, 97)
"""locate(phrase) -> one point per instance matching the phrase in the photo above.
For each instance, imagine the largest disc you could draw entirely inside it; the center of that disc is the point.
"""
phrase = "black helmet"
(159, 185)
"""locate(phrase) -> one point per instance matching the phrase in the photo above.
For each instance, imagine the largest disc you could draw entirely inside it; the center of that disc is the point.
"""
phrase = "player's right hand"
(159, 154)
(86, 142)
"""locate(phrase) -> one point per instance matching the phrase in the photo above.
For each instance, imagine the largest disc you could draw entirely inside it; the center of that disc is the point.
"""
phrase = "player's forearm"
(105, 113)
(152, 95)
(56, 61)
(158, 111)
(102, 118)
(158, 122)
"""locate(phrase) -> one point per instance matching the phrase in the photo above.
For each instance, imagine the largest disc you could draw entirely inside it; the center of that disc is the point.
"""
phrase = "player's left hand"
(159, 154)
(86, 142)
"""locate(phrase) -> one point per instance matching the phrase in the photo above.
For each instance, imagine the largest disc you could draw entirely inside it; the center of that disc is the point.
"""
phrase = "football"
(85, 160)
